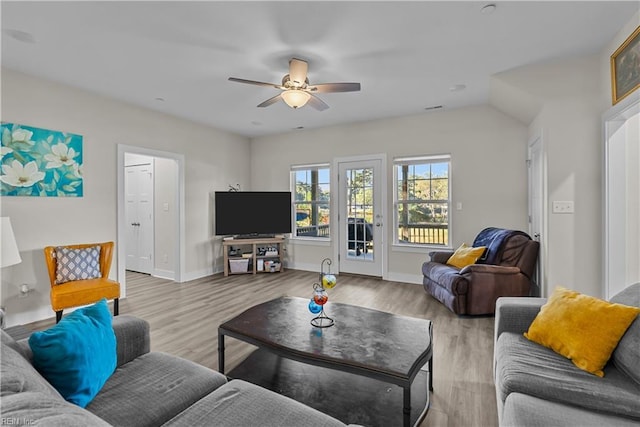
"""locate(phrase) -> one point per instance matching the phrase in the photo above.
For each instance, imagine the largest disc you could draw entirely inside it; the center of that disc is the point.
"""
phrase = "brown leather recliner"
(505, 270)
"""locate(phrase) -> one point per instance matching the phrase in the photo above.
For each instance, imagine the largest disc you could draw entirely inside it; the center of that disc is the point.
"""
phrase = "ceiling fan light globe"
(295, 98)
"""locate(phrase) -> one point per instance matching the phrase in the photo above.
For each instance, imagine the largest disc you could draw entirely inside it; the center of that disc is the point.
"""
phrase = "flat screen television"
(252, 213)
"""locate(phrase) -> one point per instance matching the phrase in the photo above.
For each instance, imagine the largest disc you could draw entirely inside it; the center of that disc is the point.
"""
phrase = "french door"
(360, 222)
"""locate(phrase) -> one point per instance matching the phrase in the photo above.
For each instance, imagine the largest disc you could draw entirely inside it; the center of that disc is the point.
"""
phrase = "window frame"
(421, 160)
(294, 227)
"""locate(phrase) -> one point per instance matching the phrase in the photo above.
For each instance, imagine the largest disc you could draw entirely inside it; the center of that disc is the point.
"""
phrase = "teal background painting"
(40, 162)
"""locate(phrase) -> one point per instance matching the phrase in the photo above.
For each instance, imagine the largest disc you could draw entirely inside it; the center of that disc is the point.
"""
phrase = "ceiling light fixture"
(457, 88)
(295, 98)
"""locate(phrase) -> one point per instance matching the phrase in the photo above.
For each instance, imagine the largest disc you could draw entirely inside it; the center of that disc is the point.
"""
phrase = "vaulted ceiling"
(176, 57)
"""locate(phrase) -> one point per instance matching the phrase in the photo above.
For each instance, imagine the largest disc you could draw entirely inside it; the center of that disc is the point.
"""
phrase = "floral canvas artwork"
(40, 162)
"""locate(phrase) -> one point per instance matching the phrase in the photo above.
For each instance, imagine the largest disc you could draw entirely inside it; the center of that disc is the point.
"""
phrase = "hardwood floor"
(184, 319)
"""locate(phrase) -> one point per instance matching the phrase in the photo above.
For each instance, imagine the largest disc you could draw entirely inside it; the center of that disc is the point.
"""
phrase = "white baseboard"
(303, 266)
(193, 275)
(164, 274)
(404, 278)
(391, 276)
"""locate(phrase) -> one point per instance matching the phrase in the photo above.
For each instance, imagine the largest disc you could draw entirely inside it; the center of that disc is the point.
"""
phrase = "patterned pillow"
(77, 264)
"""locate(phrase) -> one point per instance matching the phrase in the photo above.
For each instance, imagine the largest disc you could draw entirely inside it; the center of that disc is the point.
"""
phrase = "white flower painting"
(40, 162)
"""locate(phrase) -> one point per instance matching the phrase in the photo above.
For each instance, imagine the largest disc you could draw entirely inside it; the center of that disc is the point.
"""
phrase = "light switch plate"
(563, 207)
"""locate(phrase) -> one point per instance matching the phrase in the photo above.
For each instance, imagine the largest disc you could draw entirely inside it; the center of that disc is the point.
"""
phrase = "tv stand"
(250, 246)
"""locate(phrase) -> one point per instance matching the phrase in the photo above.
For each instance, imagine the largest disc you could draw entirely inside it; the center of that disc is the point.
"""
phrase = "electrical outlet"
(563, 207)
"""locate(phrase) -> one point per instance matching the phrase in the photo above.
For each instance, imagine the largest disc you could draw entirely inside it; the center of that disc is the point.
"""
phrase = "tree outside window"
(311, 187)
(423, 200)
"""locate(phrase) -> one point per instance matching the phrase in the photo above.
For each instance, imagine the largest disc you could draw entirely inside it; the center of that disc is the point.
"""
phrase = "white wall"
(570, 128)
(165, 215)
(573, 94)
(213, 160)
(489, 175)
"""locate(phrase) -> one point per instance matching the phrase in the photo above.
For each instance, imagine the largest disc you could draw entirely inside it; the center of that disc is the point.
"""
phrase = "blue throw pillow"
(78, 355)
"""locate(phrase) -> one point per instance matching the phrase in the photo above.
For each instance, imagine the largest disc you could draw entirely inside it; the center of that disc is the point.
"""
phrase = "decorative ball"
(313, 307)
(329, 281)
(320, 296)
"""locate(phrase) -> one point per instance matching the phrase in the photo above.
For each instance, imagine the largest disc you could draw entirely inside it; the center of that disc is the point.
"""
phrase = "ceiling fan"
(296, 90)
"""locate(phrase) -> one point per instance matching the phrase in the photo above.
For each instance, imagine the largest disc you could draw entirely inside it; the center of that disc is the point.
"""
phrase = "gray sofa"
(537, 387)
(147, 389)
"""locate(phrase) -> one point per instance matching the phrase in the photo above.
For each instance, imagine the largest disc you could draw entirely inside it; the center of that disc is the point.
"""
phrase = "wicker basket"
(239, 265)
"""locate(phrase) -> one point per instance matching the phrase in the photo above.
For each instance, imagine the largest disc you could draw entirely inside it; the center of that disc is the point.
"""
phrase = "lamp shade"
(295, 98)
(9, 254)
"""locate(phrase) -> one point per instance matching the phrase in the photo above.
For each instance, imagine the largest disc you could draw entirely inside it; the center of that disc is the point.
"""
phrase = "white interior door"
(536, 208)
(139, 217)
(360, 221)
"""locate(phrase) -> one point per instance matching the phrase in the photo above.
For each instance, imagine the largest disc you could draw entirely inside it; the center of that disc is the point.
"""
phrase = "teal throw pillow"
(78, 355)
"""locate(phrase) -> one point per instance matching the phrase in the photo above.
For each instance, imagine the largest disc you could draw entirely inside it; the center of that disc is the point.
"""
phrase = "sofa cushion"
(77, 264)
(521, 410)
(77, 355)
(627, 354)
(465, 255)
(240, 403)
(445, 276)
(582, 328)
(33, 408)
(8, 340)
(163, 386)
(525, 367)
(17, 375)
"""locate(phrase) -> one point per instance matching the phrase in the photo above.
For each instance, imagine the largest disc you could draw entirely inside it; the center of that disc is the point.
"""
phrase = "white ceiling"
(406, 55)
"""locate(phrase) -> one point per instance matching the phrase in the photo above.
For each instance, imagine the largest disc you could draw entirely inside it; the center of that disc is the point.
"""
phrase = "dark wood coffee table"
(330, 368)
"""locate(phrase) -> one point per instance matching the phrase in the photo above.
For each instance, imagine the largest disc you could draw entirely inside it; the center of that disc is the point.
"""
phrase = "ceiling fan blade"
(271, 101)
(298, 71)
(334, 87)
(253, 82)
(317, 103)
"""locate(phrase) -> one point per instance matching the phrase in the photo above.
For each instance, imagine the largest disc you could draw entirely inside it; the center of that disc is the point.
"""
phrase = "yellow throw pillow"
(582, 328)
(465, 255)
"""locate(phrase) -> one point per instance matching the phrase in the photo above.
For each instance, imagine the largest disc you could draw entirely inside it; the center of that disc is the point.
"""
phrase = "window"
(310, 185)
(422, 200)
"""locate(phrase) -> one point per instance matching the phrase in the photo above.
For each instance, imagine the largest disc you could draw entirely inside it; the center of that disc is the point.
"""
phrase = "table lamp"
(9, 254)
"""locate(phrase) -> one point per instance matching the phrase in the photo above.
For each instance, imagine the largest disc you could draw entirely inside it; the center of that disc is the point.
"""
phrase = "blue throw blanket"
(493, 238)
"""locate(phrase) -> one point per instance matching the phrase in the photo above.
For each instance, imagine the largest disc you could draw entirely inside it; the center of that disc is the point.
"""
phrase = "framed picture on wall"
(38, 162)
(625, 67)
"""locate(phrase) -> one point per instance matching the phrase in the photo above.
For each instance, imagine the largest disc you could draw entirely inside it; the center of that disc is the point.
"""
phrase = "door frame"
(179, 227)
(542, 210)
(384, 207)
(612, 119)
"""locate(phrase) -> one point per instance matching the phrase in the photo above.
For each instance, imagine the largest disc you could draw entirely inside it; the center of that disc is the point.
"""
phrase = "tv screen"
(252, 213)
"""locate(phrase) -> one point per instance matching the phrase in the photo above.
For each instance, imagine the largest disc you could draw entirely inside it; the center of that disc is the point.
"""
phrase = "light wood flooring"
(184, 318)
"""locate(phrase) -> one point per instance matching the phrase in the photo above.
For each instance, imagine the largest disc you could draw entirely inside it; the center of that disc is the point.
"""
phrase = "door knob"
(378, 224)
